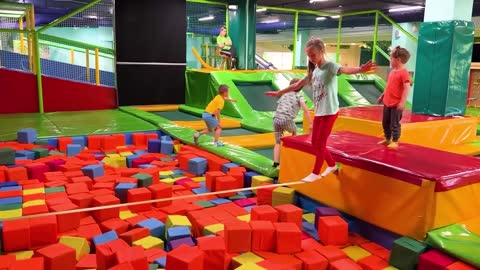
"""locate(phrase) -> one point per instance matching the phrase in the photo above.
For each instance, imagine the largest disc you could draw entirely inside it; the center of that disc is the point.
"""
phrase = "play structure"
(87, 182)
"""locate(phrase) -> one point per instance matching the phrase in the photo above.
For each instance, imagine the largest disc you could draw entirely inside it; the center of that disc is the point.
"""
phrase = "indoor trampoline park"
(144, 135)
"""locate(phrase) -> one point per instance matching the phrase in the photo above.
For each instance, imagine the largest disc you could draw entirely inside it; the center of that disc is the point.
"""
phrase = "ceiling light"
(313, 1)
(9, 11)
(405, 9)
(271, 21)
(232, 7)
(320, 18)
(90, 17)
(335, 16)
(261, 9)
(208, 18)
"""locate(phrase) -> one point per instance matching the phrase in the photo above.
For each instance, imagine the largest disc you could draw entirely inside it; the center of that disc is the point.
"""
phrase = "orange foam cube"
(332, 230)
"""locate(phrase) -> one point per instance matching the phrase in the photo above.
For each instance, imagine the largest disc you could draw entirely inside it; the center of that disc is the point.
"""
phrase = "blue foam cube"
(146, 166)
(11, 188)
(166, 147)
(121, 190)
(220, 201)
(25, 153)
(156, 227)
(197, 166)
(227, 166)
(154, 145)
(81, 140)
(104, 238)
(249, 208)
(11, 200)
(247, 193)
(8, 184)
(93, 171)
(52, 142)
(130, 159)
(165, 138)
(200, 190)
(73, 149)
(162, 262)
(178, 232)
(27, 135)
(247, 178)
(140, 152)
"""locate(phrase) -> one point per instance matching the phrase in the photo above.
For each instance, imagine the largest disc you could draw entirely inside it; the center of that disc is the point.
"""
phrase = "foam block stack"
(230, 231)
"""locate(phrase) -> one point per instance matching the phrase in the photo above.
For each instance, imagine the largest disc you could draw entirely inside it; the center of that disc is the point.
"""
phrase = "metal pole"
(295, 41)
(375, 38)
(97, 67)
(339, 38)
(87, 64)
(38, 73)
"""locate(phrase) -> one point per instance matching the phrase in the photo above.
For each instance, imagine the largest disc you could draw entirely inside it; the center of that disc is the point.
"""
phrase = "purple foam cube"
(244, 202)
(325, 212)
(54, 165)
(181, 241)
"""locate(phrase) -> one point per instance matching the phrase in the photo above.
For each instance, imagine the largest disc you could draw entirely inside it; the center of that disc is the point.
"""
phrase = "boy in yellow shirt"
(211, 116)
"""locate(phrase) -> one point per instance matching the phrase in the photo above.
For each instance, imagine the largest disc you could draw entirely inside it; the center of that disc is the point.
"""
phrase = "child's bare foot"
(385, 142)
(329, 170)
(195, 138)
(393, 145)
(311, 178)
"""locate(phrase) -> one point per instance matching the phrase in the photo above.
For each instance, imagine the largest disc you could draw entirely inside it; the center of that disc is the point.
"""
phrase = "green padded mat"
(266, 152)
(368, 90)
(72, 123)
(237, 132)
(253, 92)
(177, 116)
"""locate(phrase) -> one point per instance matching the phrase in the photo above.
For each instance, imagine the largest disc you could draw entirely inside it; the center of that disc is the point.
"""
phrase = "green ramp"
(253, 108)
(240, 155)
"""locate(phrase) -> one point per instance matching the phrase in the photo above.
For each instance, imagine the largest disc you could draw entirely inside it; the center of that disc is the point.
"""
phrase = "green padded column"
(243, 32)
(444, 56)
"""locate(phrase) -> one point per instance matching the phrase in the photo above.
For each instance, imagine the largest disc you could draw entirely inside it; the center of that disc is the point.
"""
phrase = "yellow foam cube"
(149, 242)
(79, 244)
(309, 217)
(33, 191)
(168, 181)
(250, 266)
(245, 259)
(118, 162)
(23, 255)
(356, 253)
(178, 220)
(257, 180)
(126, 214)
(283, 195)
(126, 154)
(213, 229)
(11, 213)
(199, 179)
(390, 268)
(165, 173)
(33, 203)
(177, 147)
(113, 155)
(245, 218)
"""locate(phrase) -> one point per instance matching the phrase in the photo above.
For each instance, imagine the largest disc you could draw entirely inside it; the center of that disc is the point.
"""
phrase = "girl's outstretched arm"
(293, 87)
(369, 66)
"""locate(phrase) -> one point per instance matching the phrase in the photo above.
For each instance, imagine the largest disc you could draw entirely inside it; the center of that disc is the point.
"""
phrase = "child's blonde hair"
(401, 53)
(294, 81)
(318, 44)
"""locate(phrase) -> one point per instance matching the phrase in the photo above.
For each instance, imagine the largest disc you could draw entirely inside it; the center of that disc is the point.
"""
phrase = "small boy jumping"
(395, 96)
(288, 106)
(211, 116)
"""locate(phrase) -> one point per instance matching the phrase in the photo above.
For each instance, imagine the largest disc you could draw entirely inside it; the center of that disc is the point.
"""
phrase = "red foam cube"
(37, 263)
(114, 224)
(332, 253)
(459, 266)
(106, 214)
(210, 178)
(215, 252)
(433, 260)
(106, 253)
(288, 238)
(66, 222)
(58, 256)
(133, 255)
(226, 182)
(290, 213)
(87, 262)
(139, 195)
(264, 212)
(16, 235)
(17, 173)
(160, 191)
(134, 235)
(312, 260)
(263, 235)
(238, 236)
(43, 231)
(344, 264)
(185, 258)
(332, 230)
(372, 262)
